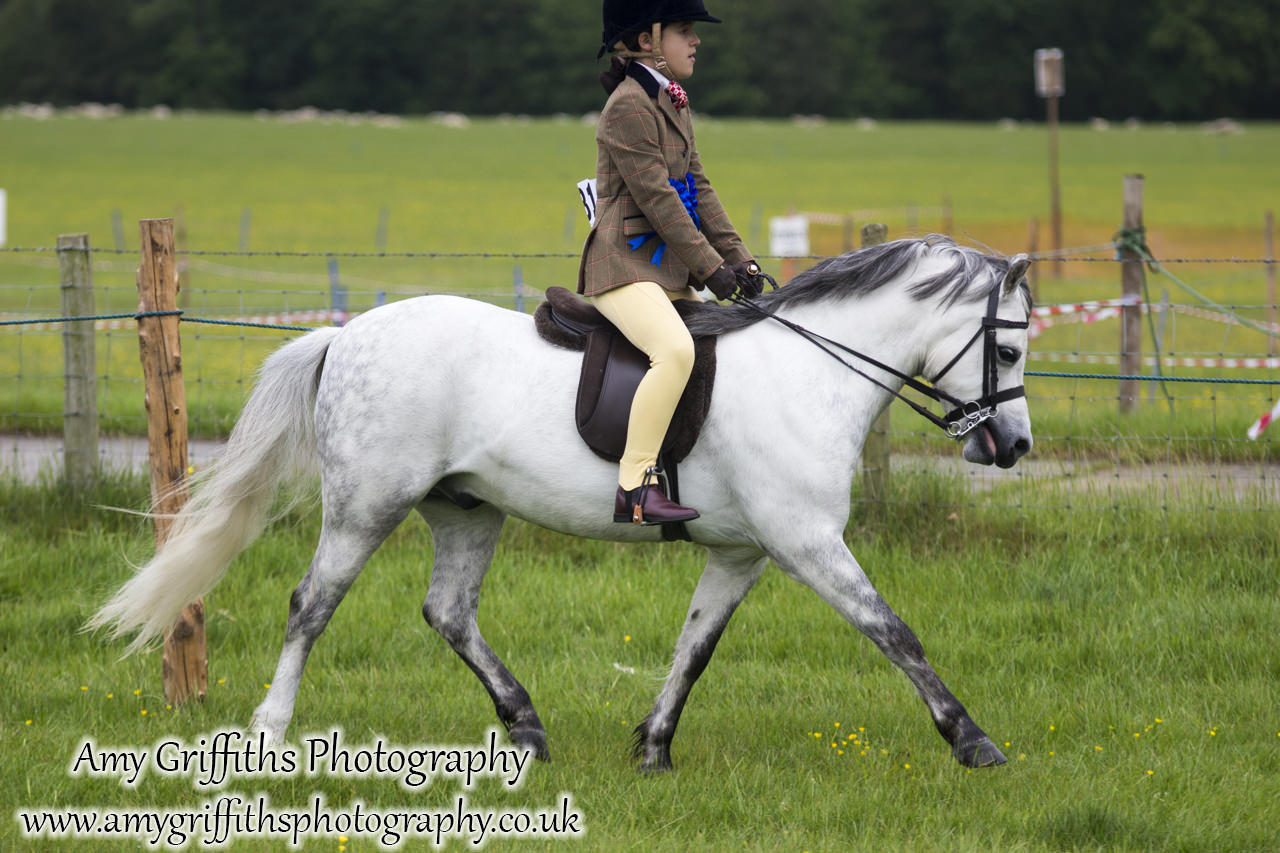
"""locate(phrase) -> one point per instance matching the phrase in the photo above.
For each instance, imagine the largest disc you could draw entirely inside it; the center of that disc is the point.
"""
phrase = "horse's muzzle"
(993, 444)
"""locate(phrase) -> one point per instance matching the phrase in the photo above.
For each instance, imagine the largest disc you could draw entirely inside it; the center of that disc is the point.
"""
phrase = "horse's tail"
(273, 443)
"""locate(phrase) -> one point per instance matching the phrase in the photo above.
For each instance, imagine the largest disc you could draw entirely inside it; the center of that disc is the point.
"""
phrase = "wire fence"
(1209, 369)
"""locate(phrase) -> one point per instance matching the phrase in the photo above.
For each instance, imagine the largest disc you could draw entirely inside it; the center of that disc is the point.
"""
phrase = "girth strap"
(672, 531)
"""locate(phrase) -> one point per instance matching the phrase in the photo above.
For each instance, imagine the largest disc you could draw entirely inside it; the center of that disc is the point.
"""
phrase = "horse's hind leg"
(728, 577)
(464, 543)
(348, 537)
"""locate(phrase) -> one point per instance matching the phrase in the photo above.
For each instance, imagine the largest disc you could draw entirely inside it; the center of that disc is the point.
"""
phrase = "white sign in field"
(1050, 81)
(789, 236)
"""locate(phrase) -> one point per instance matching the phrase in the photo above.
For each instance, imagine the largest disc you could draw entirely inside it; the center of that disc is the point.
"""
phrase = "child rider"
(660, 230)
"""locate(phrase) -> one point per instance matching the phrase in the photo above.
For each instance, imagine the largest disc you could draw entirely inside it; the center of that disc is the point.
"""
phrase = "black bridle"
(964, 416)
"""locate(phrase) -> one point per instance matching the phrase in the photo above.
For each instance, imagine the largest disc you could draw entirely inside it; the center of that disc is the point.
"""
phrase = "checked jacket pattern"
(643, 142)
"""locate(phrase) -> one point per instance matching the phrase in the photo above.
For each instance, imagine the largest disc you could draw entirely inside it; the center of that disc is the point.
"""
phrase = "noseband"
(964, 416)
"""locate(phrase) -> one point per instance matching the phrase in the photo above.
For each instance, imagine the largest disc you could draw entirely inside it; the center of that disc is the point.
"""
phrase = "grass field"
(1127, 669)
(507, 186)
(503, 186)
(1116, 643)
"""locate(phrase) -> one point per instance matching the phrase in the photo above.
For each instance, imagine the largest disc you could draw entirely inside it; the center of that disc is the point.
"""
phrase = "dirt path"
(28, 456)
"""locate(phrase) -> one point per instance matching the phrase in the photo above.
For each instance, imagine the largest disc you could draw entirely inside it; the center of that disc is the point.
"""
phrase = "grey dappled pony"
(456, 409)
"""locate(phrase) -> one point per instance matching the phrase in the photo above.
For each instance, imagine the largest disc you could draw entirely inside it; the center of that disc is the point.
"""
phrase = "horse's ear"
(1018, 267)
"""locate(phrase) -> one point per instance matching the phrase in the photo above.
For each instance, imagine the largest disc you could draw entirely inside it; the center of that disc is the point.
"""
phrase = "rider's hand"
(749, 281)
(723, 282)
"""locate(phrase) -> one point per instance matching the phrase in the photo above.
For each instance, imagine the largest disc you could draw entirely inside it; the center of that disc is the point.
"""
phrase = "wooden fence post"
(875, 450)
(1131, 294)
(80, 370)
(185, 667)
(1269, 238)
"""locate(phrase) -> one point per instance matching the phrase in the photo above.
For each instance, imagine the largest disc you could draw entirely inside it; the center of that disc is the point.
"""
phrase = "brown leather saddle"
(611, 371)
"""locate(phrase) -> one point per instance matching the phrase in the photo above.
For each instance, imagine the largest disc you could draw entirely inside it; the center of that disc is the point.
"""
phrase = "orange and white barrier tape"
(1080, 307)
(1207, 314)
(1272, 363)
(1038, 326)
(1092, 312)
(1263, 422)
(1042, 316)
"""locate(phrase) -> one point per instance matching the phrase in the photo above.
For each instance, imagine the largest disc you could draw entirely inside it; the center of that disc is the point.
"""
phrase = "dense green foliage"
(1163, 59)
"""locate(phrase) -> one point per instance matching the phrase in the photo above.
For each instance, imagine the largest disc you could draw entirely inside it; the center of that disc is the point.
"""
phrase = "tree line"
(958, 59)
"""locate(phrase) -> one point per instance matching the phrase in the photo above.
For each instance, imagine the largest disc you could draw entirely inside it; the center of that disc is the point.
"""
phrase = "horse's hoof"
(272, 735)
(656, 760)
(979, 753)
(532, 739)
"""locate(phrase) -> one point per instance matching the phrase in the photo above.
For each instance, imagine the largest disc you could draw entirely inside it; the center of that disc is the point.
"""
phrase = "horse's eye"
(1009, 355)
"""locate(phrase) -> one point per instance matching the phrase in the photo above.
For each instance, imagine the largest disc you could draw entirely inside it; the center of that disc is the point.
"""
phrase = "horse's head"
(978, 366)
(971, 349)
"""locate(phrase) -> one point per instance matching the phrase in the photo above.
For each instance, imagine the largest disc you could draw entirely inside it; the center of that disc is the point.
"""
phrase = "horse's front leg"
(832, 572)
(729, 575)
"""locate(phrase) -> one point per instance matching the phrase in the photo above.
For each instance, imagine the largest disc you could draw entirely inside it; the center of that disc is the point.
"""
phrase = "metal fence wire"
(1208, 375)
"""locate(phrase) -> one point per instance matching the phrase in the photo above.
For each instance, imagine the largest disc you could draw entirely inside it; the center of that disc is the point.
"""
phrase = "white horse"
(456, 409)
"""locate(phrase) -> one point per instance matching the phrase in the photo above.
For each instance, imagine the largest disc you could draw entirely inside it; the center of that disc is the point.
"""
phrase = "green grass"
(1065, 619)
(502, 186)
(508, 187)
(1064, 634)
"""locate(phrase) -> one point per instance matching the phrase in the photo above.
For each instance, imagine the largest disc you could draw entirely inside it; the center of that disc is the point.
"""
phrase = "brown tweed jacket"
(642, 141)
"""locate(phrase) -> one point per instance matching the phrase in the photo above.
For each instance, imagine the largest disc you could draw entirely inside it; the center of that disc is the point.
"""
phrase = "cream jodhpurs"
(643, 312)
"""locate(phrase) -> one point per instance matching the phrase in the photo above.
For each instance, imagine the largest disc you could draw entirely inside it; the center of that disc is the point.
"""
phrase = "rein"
(964, 416)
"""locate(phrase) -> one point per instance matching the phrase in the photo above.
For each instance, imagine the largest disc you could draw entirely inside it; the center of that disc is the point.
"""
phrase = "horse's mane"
(970, 276)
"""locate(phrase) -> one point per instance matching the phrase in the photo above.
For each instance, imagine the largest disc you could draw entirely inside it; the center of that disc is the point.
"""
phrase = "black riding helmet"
(624, 17)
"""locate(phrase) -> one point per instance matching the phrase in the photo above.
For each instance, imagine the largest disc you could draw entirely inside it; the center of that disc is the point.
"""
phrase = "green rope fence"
(143, 314)
(1135, 240)
(137, 316)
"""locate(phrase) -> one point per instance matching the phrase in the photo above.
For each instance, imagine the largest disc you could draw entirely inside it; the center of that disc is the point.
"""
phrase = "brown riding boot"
(648, 505)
